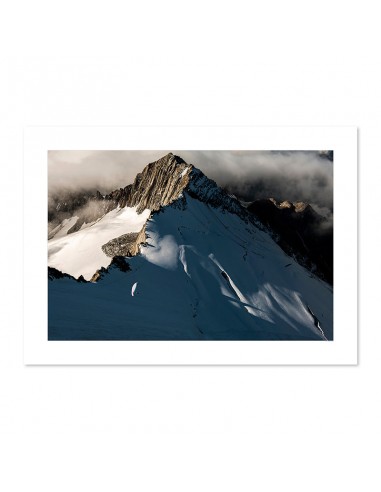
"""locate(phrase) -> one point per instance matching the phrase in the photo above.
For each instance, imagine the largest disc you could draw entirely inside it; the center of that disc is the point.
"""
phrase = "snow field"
(80, 253)
(204, 274)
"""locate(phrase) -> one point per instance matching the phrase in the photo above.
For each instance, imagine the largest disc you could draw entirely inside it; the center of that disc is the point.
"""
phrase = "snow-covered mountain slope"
(80, 253)
(63, 228)
(101, 224)
(159, 184)
(204, 273)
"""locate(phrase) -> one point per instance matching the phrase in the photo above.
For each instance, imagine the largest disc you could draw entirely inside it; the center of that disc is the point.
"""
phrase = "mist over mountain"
(174, 256)
(250, 175)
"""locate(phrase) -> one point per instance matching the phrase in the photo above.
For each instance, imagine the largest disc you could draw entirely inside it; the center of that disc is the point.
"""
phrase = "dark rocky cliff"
(300, 231)
(117, 263)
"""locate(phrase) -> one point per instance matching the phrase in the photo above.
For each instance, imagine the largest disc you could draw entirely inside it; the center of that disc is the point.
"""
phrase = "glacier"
(204, 273)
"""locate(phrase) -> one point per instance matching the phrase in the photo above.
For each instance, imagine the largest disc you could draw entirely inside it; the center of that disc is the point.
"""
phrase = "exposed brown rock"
(125, 245)
(160, 183)
(285, 204)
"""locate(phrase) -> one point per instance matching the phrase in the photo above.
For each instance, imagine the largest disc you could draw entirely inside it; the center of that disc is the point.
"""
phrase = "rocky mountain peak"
(54, 274)
(164, 181)
(169, 158)
(160, 183)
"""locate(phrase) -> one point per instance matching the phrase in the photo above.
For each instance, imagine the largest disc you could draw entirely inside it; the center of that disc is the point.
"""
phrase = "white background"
(37, 348)
(218, 428)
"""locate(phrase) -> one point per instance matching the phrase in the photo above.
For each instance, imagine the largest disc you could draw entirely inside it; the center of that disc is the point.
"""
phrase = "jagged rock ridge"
(54, 274)
(159, 184)
(117, 263)
(125, 245)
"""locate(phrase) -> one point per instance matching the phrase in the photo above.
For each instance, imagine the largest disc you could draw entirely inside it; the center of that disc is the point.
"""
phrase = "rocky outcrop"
(117, 263)
(165, 181)
(54, 274)
(207, 191)
(125, 245)
(160, 183)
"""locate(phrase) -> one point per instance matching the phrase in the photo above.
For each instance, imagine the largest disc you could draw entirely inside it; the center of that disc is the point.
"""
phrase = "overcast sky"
(292, 175)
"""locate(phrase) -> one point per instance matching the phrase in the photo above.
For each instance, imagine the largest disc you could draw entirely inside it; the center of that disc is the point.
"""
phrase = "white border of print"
(37, 348)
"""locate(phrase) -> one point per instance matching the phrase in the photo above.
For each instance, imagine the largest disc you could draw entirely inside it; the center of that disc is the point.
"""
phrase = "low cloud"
(103, 170)
(284, 175)
(291, 175)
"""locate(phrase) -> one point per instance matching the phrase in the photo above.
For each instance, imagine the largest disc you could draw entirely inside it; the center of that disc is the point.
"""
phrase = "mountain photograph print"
(190, 245)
